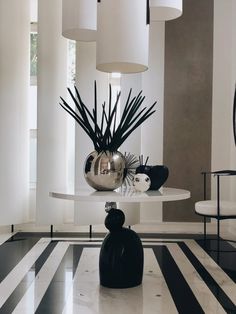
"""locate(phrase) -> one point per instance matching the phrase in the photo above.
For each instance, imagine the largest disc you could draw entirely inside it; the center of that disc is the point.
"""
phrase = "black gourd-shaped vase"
(121, 255)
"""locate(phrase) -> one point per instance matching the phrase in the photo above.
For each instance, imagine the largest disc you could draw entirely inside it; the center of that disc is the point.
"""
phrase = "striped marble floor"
(60, 275)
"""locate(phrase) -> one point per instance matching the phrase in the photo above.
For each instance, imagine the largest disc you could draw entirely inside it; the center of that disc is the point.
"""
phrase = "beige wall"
(188, 104)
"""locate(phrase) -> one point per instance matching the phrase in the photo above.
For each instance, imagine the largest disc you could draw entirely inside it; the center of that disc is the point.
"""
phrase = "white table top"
(124, 195)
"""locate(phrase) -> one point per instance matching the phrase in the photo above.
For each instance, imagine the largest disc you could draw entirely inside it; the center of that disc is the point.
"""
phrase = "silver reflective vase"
(104, 171)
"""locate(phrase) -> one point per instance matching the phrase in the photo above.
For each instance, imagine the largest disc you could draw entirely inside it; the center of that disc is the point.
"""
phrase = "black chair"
(218, 209)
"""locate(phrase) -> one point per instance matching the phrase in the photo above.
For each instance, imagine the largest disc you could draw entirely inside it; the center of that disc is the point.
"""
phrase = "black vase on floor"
(121, 255)
(158, 175)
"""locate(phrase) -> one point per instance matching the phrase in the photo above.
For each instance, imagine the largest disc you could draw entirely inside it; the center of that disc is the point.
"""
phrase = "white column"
(224, 78)
(51, 118)
(14, 87)
(34, 11)
(152, 129)
(132, 144)
(223, 89)
(232, 227)
(86, 73)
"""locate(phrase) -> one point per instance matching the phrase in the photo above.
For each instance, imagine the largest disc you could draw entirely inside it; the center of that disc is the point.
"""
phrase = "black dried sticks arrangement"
(108, 135)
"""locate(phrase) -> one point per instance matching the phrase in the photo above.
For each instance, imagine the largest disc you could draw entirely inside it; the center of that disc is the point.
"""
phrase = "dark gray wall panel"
(188, 104)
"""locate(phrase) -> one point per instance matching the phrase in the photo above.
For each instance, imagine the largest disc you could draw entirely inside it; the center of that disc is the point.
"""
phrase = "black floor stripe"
(226, 260)
(25, 283)
(13, 251)
(181, 293)
(103, 234)
(54, 299)
(223, 299)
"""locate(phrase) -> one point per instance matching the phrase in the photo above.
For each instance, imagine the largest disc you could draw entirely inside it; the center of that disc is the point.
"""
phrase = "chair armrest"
(221, 172)
(218, 173)
(225, 172)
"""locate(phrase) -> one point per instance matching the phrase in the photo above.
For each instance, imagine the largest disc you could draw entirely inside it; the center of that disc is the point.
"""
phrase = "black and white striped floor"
(60, 275)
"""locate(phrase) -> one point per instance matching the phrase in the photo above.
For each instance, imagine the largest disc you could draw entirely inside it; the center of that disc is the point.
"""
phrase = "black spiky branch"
(131, 163)
(107, 135)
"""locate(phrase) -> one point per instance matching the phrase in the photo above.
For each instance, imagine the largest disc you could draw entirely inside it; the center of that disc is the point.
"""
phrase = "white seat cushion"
(227, 208)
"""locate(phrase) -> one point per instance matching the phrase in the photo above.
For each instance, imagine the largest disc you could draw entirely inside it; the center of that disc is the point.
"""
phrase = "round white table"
(121, 255)
(128, 195)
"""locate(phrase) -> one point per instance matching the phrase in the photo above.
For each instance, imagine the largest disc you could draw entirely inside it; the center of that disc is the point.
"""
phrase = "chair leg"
(51, 231)
(90, 231)
(204, 230)
(218, 229)
(218, 241)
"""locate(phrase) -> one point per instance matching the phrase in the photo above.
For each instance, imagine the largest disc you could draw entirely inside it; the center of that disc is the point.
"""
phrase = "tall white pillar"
(51, 118)
(232, 226)
(152, 129)
(224, 78)
(14, 134)
(86, 73)
(222, 92)
(132, 144)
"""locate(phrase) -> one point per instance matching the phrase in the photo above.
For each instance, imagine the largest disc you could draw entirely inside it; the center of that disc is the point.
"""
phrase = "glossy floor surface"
(39, 274)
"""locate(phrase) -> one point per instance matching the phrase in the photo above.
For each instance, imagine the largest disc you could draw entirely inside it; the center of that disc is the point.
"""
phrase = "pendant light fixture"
(122, 35)
(164, 10)
(79, 19)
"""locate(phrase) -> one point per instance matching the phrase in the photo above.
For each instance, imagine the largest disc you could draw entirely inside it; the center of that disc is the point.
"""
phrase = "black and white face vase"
(141, 182)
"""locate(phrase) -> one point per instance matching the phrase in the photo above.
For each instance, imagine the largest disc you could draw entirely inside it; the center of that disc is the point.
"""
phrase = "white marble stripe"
(161, 239)
(155, 244)
(84, 292)
(85, 243)
(4, 237)
(87, 296)
(232, 243)
(157, 297)
(33, 296)
(201, 291)
(10, 282)
(100, 243)
(222, 279)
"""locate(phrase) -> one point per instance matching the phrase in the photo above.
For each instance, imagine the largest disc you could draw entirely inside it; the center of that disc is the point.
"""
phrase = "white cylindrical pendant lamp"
(122, 36)
(164, 10)
(79, 19)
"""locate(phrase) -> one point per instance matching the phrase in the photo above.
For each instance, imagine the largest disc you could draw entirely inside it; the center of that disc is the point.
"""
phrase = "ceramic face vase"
(158, 175)
(141, 182)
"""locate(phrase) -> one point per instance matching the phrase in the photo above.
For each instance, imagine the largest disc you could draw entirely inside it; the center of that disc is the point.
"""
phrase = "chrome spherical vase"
(104, 171)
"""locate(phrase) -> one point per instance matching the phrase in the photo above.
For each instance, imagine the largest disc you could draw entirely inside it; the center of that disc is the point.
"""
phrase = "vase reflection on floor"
(104, 171)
